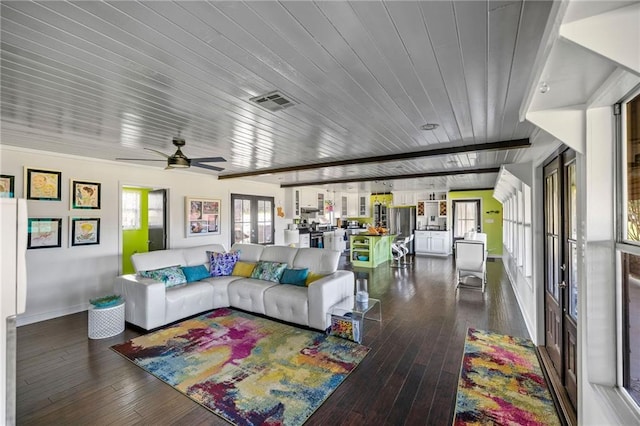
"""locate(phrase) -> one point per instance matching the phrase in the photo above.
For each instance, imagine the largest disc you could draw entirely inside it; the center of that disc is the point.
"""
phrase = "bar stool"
(398, 250)
(407, 243)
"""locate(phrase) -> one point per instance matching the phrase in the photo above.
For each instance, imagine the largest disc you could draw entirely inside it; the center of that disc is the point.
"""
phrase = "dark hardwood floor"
(409, 377)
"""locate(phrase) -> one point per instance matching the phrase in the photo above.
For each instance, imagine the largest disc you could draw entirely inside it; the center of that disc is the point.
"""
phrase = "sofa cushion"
(170, 276)
(282, 254)
(320, 261)
(295, 276)
(195, 273)
(198, 255)
(248, 294)
(187, 300)
(158, 259)
(287, 303)
(269, 271)
(243, 269)
(248, 252)
(222, 263)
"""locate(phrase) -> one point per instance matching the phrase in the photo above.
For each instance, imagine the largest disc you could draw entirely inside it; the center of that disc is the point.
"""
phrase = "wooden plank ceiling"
(107, 79)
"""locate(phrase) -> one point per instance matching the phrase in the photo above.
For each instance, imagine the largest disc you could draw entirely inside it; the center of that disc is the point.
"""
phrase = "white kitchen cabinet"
(363, 205)
(292, 203)
(404, 198)
(352, 205)
(432, 242)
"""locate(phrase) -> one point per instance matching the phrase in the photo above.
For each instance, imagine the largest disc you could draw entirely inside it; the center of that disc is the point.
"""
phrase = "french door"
(561, 286)
(252, 219)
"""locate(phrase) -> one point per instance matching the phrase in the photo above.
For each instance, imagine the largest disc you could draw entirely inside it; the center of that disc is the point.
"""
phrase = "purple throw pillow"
(222, 263)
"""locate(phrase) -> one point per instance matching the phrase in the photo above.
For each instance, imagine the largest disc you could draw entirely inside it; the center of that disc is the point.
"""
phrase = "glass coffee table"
(349, 322)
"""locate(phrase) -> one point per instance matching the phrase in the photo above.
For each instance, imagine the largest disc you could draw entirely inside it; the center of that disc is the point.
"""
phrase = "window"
(130, 210)
(467, 217)
(628, 248)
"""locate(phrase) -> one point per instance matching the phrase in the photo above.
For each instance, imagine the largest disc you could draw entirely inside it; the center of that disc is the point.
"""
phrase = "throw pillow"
(312, 277)
(269, 271)
(295, 276)
(243, 269)
(222, 263)
(195, 273)
(171, 276)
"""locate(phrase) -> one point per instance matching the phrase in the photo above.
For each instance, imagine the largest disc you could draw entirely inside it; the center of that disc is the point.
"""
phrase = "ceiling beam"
(503, 145)
(394, 177)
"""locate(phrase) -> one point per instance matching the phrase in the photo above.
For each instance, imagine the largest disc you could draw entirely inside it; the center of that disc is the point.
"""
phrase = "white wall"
(62, 280)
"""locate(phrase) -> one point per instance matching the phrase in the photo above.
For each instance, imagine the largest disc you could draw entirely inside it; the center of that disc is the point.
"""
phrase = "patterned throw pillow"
(195, 273)
(222, 263)
(269, 271)
(243, 269)
(295, 276)
(171, 276)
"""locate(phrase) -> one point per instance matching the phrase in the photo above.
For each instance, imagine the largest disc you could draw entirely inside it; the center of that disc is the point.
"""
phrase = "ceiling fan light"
(177, 162)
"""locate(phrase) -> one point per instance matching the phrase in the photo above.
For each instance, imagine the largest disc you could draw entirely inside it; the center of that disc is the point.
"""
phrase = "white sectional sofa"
(150, 304)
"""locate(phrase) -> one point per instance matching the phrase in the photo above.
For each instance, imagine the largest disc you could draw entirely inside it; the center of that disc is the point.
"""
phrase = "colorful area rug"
(248, 370)
(501, 383)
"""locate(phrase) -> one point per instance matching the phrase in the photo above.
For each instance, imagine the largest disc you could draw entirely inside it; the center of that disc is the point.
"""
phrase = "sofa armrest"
(144, 300)
(338, 287)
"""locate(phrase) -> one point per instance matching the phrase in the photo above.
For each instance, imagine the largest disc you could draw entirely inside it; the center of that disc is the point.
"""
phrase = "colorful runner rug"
(246, 369)
(501, 383)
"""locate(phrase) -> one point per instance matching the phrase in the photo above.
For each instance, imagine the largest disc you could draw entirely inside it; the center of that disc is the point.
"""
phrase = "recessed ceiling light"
(544, 87)
(429, 126)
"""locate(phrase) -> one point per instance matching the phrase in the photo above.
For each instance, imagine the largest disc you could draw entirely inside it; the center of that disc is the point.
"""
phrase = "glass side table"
(353, 319)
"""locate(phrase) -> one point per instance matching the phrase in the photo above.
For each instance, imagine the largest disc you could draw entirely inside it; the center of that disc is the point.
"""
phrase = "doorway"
(144, 222)
(466, 218)
(560, 270)
(252, 219)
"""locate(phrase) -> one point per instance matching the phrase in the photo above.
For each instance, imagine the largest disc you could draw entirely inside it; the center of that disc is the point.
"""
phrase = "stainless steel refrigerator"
(13, 293)
(402, 222)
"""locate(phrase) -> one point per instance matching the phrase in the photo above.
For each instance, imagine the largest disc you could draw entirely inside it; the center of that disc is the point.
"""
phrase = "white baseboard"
(24, 319)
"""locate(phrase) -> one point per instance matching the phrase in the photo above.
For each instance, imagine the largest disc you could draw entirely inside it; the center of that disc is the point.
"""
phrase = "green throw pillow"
(269, 271)
(171, 276)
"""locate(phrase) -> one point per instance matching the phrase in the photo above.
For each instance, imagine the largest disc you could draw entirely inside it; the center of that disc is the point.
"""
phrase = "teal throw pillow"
(171, 276)
(269, 271)
(295, 277)
(195, 273)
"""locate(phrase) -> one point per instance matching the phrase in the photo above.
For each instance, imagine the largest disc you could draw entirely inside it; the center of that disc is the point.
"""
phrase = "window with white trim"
(628, 247)
(131, 210)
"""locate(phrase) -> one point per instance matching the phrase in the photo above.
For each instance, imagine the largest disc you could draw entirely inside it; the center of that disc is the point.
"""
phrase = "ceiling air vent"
(273, 101)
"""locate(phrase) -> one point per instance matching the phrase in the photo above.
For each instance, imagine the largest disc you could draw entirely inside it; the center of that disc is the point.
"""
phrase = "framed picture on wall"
(202, 216)
(85, 231)
(85, 195)
(44, 233)
(43, 184)
(7, 183)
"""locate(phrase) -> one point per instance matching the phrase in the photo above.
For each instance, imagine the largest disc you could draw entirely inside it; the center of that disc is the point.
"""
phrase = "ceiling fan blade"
(137, 159)
(158, 152)
(206, 166)
(208, 160)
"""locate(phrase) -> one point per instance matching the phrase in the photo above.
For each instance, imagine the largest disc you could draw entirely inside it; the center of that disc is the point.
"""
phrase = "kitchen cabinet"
(308, 197)
(372, 249)
(344, 206)
(363, 205)
(292, 203)
(432, 242)
(380, 215)
(352, 205)
(404, 198)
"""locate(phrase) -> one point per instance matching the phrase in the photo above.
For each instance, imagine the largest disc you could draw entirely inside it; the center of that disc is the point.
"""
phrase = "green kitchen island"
(375, 248)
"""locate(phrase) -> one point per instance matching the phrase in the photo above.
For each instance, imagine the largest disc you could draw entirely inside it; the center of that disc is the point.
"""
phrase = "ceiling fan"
(180, 161)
